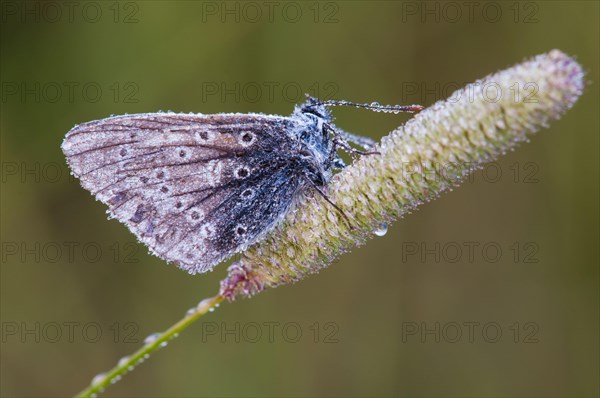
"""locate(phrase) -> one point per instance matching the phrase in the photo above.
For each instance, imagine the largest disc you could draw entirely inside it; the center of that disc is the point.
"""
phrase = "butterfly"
(197, 188)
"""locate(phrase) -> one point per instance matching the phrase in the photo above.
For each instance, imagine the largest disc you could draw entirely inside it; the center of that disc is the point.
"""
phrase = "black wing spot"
(242, 172)
(118, 199)
(139, 214)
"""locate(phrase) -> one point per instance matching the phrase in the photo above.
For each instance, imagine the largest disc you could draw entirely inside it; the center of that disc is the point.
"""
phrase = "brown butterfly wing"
(194, 188)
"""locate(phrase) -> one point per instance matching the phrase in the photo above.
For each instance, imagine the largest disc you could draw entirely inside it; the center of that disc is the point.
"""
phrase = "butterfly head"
(316, 146)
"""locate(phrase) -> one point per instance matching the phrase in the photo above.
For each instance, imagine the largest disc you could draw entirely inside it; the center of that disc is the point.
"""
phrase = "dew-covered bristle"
(427, 156)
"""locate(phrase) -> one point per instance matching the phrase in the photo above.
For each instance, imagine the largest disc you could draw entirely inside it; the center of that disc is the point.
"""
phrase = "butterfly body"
(198, 188)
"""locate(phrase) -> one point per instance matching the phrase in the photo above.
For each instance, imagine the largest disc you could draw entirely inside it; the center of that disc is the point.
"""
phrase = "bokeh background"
(389, 319)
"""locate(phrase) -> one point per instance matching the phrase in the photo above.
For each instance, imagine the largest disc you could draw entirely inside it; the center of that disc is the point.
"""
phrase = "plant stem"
(430, 154)
(99, 383)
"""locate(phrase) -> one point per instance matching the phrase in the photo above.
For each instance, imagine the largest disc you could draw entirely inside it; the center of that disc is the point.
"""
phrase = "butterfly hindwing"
(194, 188)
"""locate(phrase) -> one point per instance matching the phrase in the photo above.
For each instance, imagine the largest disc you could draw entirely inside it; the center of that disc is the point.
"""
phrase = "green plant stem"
(466, 132)
(98, 385)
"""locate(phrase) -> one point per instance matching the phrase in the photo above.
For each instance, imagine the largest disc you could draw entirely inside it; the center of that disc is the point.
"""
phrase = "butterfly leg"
(338, 163)
(331, 203)
(364, 142)
(340, 140)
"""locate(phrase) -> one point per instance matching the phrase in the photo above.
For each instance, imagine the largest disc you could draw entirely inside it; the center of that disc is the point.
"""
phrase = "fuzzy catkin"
(428, 155)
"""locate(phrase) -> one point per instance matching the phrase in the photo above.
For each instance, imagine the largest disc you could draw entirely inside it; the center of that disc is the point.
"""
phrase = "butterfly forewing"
(194, 188)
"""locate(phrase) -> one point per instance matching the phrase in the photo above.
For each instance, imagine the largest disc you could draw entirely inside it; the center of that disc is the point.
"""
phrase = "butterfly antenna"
(375, 106)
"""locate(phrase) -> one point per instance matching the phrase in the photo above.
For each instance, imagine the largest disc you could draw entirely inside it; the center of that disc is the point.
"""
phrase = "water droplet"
(117, 378)
(151, 338)
(375, 103)
(211, 309)
(381, 230)
(204, 303)
(98, 378)
(123, 361)
(163, 344)
(190, 311)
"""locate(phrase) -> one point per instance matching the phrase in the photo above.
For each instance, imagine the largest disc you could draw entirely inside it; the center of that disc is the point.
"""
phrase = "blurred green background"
(69, 274)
